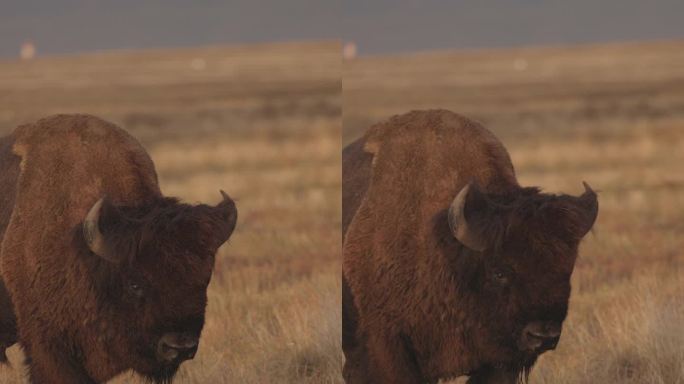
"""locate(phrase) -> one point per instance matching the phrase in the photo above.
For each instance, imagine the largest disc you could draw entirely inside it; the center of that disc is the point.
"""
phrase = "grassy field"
(612, 115)
(262, 122)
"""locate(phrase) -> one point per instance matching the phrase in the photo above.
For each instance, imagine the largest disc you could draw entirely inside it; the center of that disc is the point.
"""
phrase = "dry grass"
(263, 123)
(612, 115)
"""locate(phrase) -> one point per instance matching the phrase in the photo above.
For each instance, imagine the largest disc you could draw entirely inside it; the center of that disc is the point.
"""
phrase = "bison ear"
(227, 218)
(469, 199)
(93, 235)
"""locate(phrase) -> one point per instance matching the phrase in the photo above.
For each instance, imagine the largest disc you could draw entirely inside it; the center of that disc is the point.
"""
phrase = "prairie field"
(262, 122)
(611, 115)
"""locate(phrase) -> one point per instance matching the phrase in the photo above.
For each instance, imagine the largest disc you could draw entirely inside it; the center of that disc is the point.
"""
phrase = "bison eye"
(501, 277)
(136, 290)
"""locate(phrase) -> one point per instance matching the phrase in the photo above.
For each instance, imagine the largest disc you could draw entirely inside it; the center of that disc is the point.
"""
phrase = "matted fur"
(79, 319)
(419, 306)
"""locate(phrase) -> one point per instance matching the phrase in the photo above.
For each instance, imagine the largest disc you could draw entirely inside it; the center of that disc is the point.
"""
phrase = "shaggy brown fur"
(419, 306)
(82, 318)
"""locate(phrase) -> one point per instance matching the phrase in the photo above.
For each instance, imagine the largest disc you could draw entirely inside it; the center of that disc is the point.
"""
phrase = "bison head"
(524, 245)
(151, 265)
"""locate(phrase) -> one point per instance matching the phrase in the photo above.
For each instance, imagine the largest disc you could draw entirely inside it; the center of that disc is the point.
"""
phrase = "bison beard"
(450, 267)
(163, 375)
(514, 373)
(104, 273)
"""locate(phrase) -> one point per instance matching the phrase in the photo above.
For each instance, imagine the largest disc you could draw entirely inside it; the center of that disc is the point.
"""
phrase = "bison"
(105, 273)
(451, 268)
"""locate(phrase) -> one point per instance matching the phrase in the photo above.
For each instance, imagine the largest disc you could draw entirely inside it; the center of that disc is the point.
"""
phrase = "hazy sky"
(378, 26)
(63, 26)
(409, 25)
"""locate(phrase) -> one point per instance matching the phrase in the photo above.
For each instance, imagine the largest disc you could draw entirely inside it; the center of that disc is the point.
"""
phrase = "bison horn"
(459, 225)
(589, 203)
(92, 234)
(228, 213)
(225, 196)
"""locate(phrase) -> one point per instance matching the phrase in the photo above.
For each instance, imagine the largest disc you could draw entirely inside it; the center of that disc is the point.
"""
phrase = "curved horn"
(228, 214)
(459, 225)
(225, 195)
(91, 231)
(589, 203)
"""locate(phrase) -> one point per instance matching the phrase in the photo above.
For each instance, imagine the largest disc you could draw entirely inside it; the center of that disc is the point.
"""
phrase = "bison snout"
(177, 347)
(539, 336)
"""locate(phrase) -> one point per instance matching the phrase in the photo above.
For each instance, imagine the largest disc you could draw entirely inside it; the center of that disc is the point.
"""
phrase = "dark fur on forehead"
(527, 213)
(163, 224)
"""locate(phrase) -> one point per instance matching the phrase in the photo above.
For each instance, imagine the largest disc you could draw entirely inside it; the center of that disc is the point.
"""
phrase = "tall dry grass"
(611, 115)
(620, 338)
(262, 122)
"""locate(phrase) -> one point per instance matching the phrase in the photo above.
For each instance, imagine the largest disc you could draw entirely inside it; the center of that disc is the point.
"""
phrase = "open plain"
(262, 122)
(611, 115)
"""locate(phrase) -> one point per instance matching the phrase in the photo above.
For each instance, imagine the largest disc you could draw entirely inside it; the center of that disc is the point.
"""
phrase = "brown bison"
(450, 268)
(104, 272)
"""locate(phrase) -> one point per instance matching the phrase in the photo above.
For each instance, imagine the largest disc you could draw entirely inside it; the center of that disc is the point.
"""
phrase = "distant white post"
(28, 50)
(349, 50)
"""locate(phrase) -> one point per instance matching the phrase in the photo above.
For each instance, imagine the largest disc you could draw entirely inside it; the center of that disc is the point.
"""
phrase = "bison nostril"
(544, 335)
(181, 344)
(540, 336)
(176, 347)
